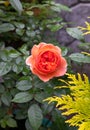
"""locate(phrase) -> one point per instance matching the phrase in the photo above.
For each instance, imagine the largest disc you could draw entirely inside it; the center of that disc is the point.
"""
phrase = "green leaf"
(11, 122)
(19, 25)
(17, 68)
(22, 97)
(6, 98)
(24, 83)
(2, 89)
(59, 7)
(80, 58)
(84, 46)
(20, 31)
(23, 49)
(30, 33)
(14, 53)
(35, 116)
(4, 68)
(40, 96)
(28, 125)
(6, 27)
(30, 13)
(63, 7)
(2, 45)
(75, 33)
(64, 51)
(16, 4)
(3, 123)
(4, 55)
(55, 27)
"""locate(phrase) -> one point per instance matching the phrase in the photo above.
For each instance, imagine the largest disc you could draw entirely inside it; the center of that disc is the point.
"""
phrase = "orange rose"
(46, 61)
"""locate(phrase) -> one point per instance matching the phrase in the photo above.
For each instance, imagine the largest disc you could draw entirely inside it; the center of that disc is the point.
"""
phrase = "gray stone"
(85, 0)
(74, 46)
(63, 38)
(78, 15)
(82, 69)
(67, 2)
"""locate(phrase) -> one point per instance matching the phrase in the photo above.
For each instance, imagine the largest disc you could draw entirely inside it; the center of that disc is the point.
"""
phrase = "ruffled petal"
(50, 47)
(36, 48)
(36, 52)
(61, 70)
(28, 60)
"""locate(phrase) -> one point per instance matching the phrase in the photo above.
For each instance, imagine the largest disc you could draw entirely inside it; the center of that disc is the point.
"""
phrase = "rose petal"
(61, 69)
(33, 61)
(50, 47)
(28, 60)
(36, 48)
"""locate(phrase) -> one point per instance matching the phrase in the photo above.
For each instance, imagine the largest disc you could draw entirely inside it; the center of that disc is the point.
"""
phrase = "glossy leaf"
(24, 83)
(4, 68)
(17, 68)
(4, 55)
(55, 27)
(27, 125)
(75, 33)
(19, 25)
(35, 116)
(80, 58)
(11, 122)
(40, 96)
(14, 53)
(16, 4)
(22, 97)
(5, 27)
(2, 89)
(6, 98)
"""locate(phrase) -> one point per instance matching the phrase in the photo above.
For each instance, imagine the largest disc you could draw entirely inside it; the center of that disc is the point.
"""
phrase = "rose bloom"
(46, 61)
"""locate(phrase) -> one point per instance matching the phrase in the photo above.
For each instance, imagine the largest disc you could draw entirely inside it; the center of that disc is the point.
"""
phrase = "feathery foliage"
(77, 103)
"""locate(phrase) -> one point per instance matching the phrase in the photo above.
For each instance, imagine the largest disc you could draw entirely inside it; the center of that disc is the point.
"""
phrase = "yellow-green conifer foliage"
(77, 103)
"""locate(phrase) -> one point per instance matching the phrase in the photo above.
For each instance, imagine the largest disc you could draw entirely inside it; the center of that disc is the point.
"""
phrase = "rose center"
(48, 61)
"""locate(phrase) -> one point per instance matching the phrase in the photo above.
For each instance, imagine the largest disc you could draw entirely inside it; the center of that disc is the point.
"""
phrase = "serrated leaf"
(16, 4)
(24, 84)
(22, 97)
(4, 68)
(80, 58)
(6, 27)
(35, 116)
(75, 33)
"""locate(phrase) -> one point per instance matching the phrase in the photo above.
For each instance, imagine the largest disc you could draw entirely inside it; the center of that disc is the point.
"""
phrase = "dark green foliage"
(23, 24)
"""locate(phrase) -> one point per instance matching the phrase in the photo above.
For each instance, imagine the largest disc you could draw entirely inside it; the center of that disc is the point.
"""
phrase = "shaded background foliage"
(23, 24)
(21, 94)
